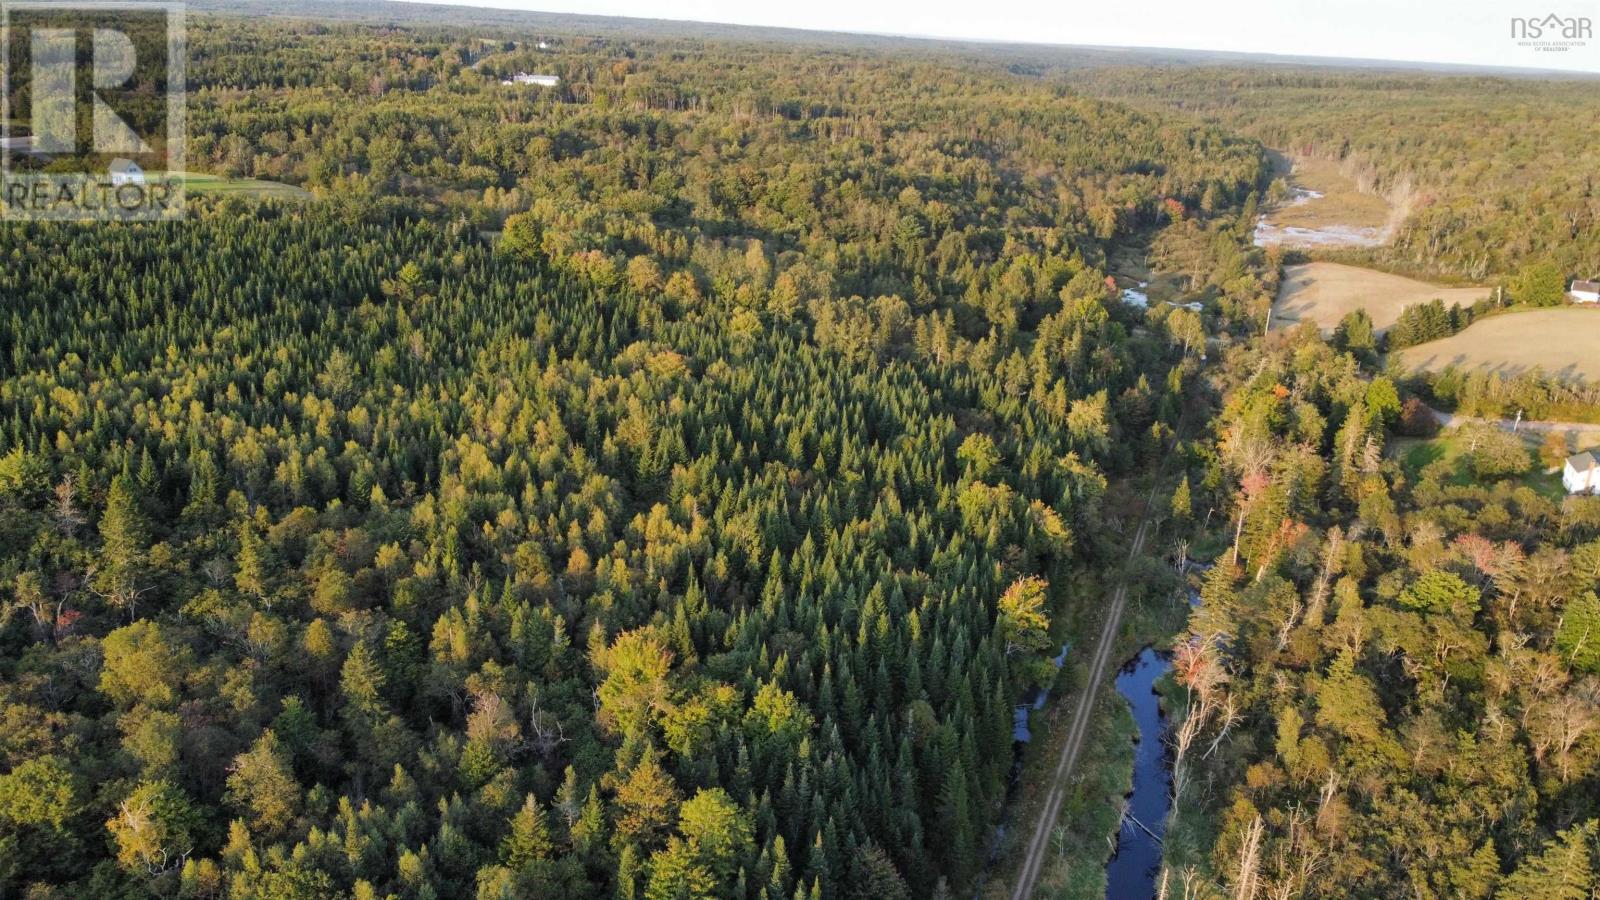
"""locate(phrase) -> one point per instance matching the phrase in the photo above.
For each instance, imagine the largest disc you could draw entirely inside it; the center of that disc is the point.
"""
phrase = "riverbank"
(1085, 834)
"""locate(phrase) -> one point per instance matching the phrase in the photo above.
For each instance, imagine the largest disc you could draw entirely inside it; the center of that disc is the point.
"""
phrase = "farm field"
(1324, 293)
(1563, 342)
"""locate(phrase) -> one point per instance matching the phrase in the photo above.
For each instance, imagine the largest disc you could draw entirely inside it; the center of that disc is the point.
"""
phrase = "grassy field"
(1564, 342)
(1451, 448)
(1324, 293)
(1340, 203)
(222, 185)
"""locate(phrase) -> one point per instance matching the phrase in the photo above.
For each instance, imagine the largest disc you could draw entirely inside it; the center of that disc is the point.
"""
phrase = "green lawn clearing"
(1452, 447)
(221, 185)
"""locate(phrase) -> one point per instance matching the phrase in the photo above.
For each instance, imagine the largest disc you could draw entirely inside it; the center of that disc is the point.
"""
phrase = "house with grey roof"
(1581, 474)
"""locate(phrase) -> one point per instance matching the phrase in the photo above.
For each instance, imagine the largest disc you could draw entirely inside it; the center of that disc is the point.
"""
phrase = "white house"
(540, 80)
(1581, 475)
(1585, 292)
(125, 171)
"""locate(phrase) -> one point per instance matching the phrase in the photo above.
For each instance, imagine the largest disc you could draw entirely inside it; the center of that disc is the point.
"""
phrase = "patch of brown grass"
(1324, 293)
(1564, 342)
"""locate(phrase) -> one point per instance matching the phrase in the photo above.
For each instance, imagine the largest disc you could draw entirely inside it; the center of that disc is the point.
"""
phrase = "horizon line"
(1349, 62)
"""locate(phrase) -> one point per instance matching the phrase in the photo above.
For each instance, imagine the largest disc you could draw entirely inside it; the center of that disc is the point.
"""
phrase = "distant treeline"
(1498, 171)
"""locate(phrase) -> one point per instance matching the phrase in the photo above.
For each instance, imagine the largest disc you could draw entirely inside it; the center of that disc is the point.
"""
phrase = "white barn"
(125, 171)
(1581, 474)
(1585, 292)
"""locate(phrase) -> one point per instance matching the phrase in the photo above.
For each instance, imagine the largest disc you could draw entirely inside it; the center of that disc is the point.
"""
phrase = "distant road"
(1039, 846)
(1450, 420)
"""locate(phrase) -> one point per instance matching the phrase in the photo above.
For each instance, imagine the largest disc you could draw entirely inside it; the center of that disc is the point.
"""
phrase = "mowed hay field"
(1563, 342)
(1324, 293)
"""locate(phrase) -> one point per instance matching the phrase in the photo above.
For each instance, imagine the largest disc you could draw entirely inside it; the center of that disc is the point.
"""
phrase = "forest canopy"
(663, 483)
(656, 486)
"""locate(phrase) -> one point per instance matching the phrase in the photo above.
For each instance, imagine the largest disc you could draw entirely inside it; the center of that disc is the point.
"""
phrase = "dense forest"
(1391, 685)
(658, 486)
(664, 484)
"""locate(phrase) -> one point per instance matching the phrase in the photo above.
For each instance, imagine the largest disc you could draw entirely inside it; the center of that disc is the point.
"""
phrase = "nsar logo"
(1552, 32)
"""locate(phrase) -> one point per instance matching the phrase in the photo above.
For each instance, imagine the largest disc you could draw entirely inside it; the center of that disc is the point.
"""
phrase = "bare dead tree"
(1248, 882)
(1226, 719)
(1325, 797)
(1331, 566)
(1196, 666)
(29, 595)
(1252, 458)
(1290, 619)
(69, 518)
(1573, 716)
(546, 734)
(138, 818)
(162, 862)
(1295, 861)
(122, 596)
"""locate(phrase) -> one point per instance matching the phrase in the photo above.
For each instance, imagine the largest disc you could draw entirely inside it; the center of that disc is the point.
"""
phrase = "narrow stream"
(1021, 734)
(1136, 864)
(1032, 700)
(1134, 868)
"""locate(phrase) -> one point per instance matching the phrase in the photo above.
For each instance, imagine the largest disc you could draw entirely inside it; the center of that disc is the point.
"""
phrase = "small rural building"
(540, 80)
(1581, 474)
(125, 171)
(1585, 292)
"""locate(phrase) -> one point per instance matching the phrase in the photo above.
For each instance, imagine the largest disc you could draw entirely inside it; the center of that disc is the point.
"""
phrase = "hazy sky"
(1454, 31)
